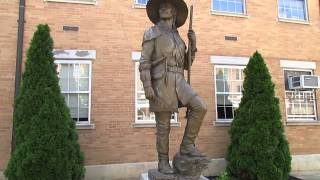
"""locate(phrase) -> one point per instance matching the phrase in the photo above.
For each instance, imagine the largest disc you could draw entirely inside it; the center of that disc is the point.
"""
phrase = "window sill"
(303, 123)
(85, 126)
(294, 21)
(152, 125)
(139, 6)
(222, 124)
(229, 14)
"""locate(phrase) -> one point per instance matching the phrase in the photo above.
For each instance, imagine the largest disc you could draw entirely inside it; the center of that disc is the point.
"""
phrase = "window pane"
(74, 113)
(145, 115)
(221, 112)
(228, 100)
(220, 86)
(141, 1)
(73, 100)
(83, 114)
(292, 9)
(216, 5)
(227, 86)
(235, 74)
(220, 100)
(62, 70)
(239, 8)
(84, 70)
(219, 73)
(74, 75)
(223, 6)
(230, 6)
(236, 87)
(84, 84)
(83, 100)
(63, 83)
(229, 112)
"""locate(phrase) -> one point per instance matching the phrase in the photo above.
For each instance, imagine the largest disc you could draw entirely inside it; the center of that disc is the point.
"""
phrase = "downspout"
(21, 22)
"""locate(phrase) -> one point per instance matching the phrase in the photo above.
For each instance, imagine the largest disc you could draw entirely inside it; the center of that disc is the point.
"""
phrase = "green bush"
(259, 149)
(46, 138)
(224, 176)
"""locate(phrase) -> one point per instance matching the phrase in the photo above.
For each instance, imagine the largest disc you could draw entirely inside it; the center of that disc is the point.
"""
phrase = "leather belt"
(175, 69)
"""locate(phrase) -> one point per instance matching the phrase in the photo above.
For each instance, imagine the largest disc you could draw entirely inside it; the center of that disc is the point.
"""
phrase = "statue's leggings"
(197, 111)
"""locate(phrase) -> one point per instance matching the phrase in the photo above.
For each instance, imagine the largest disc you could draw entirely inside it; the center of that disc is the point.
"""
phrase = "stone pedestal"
(189, 168)
(185, 168)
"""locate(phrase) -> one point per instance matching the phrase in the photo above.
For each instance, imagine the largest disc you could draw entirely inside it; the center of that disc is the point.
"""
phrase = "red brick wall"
(8, 44)
(114, 29)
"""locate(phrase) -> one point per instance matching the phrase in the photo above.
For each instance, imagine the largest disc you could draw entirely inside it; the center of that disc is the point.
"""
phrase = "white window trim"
(298, 65)
(227, 13)
(229, 60)
(292, 20)
(74, 2)
(315, 104)
(66, 61)
(215, 90)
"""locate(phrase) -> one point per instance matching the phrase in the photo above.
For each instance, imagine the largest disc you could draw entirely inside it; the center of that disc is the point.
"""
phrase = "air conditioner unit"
(304, 82)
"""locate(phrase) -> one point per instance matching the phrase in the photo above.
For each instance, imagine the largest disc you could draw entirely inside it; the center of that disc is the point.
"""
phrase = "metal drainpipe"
(21, 22)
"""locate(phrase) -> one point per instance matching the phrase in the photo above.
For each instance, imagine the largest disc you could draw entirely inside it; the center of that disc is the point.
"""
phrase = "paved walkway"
(1, 176)
(307, 175)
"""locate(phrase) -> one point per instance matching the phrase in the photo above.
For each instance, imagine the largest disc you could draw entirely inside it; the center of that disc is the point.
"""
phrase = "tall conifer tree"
(259, 149)
(46, 139)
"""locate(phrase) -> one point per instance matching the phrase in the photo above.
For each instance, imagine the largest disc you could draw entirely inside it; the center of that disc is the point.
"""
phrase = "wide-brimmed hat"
(181, 8)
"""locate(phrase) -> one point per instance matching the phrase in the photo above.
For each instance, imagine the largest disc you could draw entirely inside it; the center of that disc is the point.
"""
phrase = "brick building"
(97, 45)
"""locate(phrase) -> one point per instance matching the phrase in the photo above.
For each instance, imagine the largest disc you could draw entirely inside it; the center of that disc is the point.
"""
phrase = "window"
(75, 85)
(75, 1)
(228, 82)
(293, 9)
(229, 6)
(141, 2)
(300, 104)
(143, 115)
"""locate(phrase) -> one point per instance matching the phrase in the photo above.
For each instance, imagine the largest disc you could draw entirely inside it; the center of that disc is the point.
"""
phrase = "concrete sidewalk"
(307, 175)
(1, 176)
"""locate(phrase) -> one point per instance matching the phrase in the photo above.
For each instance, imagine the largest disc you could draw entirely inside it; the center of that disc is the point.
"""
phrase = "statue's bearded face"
(167, 11)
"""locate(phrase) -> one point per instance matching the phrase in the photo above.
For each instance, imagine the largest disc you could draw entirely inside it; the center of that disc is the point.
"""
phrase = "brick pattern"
(114, 29)
(8, 44)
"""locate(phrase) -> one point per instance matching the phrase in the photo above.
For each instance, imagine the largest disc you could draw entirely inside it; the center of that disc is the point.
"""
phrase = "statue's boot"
(197, 111)
(164, 167)
(163, 130)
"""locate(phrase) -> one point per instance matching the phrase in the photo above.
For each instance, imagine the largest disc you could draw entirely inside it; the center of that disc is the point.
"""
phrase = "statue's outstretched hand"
(149, 93)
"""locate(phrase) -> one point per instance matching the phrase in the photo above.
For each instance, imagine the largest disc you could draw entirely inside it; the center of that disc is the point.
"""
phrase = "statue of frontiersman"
(162, 64)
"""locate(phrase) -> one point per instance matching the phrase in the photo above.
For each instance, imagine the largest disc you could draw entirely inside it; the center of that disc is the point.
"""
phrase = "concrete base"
(132, 171)
(307, 175)
(144, 176)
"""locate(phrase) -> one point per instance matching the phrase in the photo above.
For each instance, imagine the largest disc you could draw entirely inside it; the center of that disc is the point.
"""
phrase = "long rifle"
(189, 46)
(189, 52)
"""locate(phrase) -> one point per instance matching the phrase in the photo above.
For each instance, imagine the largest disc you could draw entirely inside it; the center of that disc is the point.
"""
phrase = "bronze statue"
(162, 64)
